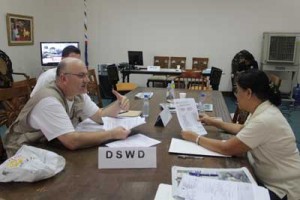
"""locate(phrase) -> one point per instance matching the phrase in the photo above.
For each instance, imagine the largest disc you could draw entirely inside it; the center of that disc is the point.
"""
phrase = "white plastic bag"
(31, 164)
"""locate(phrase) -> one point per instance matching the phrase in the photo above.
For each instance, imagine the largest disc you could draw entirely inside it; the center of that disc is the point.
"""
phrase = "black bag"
(6, 71)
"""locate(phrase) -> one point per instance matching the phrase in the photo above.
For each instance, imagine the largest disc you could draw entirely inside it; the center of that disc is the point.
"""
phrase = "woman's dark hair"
(259, 83)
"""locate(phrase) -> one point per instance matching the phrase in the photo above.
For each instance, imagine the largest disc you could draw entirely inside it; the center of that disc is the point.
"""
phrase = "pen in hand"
(123, 111)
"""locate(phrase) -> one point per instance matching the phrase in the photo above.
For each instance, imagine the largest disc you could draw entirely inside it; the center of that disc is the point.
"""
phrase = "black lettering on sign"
(129, 154)
(141, 154)
(109, 154)
(119, 154)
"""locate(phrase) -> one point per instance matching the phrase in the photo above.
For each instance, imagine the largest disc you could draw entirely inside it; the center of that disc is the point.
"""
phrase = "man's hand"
(119, 133)
(122, 100)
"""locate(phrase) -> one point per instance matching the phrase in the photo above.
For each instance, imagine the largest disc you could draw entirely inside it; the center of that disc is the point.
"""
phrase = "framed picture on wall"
(19, 29)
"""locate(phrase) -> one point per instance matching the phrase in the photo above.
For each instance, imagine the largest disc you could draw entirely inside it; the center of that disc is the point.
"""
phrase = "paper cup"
(182, 95)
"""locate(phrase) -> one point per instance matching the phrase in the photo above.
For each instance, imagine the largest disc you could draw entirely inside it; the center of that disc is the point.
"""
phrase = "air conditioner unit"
(280, 48)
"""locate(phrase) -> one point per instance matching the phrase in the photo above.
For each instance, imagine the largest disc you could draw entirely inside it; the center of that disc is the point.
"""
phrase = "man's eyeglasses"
(80, 75)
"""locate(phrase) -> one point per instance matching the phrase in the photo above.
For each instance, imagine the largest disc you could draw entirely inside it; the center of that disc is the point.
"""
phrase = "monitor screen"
(135, 58)
(51, 52)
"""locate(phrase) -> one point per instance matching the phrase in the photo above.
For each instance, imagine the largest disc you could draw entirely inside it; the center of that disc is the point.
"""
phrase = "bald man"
(54, 111)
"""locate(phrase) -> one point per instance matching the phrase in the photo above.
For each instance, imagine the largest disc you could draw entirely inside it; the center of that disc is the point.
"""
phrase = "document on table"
(223, 174)
(138, 140)
(187, 115)
(89, 125)
(126, 122)
(186, 147)
(195, 187)
(164, 192)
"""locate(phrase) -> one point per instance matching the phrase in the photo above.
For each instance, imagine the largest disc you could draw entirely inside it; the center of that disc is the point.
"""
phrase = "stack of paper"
(128, 122)
(208, 183)
(138, 140)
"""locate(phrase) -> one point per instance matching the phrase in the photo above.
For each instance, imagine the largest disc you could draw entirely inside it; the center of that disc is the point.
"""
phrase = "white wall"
(54, 20)
(217, 29)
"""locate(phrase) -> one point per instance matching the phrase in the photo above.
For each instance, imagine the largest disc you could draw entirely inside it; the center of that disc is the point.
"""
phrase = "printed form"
(187, 115)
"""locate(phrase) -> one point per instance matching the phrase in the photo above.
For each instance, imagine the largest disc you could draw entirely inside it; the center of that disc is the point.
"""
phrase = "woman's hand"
(189, 136)
(204, 118)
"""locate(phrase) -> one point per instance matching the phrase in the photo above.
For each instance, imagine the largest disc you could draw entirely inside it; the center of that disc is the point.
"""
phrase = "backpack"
(6, 71)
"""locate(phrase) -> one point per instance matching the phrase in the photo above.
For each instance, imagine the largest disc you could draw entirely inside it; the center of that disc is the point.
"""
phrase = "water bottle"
(296, 94)
(202, 97)
(172, 91)
(146, 106)
(168, 93)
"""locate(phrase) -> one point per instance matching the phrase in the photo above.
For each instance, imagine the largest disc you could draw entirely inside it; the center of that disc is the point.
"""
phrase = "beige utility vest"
(20, 132)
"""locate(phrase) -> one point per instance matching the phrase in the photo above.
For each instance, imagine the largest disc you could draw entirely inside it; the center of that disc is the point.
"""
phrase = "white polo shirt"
(274, 151)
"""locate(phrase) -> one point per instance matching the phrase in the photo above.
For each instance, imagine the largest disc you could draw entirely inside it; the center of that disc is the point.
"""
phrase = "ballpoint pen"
(187, 157)
(124, 111)
(197, 173)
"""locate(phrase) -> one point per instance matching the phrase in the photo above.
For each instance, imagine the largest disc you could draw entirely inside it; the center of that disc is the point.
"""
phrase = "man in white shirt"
(54, 111)
(49, 75)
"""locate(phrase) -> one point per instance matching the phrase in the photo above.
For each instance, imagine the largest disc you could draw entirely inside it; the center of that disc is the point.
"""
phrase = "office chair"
(113, 78)
(215, 77)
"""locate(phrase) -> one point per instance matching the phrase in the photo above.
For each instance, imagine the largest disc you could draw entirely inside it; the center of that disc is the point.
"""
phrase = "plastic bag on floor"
(31, 164)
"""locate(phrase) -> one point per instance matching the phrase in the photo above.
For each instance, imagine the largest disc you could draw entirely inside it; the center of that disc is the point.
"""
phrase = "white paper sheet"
(128, 122)
(186, 147)
(193, 188)
(138, 140)
(89, 125)
(187, 115)
(164, 192)
(223, 174)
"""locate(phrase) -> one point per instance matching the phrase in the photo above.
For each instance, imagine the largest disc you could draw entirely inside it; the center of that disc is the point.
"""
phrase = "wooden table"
(81, 178)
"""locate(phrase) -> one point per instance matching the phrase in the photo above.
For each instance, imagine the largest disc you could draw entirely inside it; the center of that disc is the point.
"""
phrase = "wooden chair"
(192, 80)
(159, 80)
(93, 87)
(181, 61)
(31, 82)
(200, 63)
(12, 100)
(113, 77)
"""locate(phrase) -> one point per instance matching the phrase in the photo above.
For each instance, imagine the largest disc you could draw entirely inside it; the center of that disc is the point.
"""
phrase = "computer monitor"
(135, 58)
(51, 52)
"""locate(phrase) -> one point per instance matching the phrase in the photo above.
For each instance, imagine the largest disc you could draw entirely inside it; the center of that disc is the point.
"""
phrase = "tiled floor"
(292, 114)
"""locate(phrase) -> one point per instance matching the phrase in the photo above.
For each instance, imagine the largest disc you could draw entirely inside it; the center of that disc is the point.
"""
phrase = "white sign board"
(126, 157)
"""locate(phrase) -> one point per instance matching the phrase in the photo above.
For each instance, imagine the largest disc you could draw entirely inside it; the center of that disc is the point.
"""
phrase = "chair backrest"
(31, 82)
(178, 61)
(162, 61)
(93, 87)
(192, 80)
(12, 101)
(239, 116)
(276, 80)
(215, 77)
(113, 75)
(200, 63)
